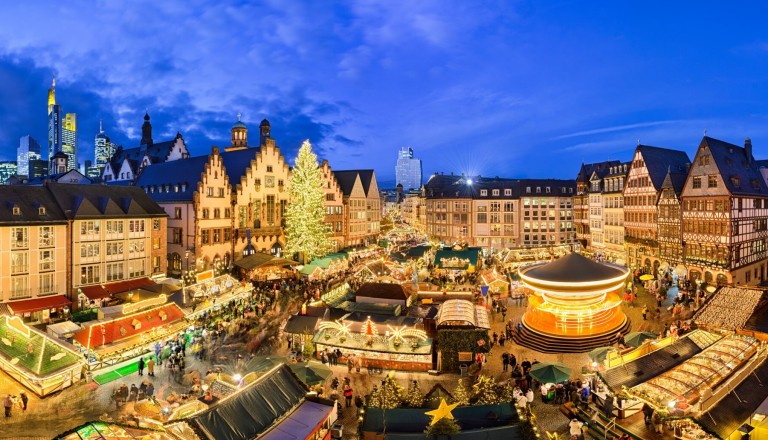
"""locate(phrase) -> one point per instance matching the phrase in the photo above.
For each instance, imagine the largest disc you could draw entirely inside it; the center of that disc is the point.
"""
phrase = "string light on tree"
(306, 232)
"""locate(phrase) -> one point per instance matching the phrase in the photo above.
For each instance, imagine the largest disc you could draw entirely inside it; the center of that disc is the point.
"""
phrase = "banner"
(484, 290)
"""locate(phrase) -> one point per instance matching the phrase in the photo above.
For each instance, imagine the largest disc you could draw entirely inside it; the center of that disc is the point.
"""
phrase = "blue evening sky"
(514, 89)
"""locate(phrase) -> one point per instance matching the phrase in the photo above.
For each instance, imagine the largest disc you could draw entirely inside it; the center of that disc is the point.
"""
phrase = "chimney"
(748, 150)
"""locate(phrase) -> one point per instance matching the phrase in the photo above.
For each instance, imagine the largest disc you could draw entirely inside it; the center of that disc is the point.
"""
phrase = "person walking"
(348, 395)
(141, 366)
(645, 313)
(24, 400)
(505, 361)
(7, 404)
(151, 367)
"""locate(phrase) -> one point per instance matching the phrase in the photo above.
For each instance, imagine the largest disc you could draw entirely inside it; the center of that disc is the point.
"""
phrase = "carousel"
(575, 305)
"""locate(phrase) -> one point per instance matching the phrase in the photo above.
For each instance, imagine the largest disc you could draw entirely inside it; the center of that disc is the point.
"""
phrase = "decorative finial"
(238, 116)
(101, 130)
(705, 132)
(638, 142)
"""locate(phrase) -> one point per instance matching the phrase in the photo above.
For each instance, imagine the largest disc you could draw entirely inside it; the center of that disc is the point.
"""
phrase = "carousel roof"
(574, 268)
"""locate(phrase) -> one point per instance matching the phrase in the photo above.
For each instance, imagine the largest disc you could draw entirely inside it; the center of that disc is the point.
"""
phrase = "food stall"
(36, 361)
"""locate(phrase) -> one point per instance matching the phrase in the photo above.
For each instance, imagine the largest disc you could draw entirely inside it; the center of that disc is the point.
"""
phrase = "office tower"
(29, 149)
(54, 122)
(69, 140)
(104, 149)
(408, 169)
(7, 169)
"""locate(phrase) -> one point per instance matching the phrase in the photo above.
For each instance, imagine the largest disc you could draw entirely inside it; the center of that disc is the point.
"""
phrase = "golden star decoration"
(442, 412)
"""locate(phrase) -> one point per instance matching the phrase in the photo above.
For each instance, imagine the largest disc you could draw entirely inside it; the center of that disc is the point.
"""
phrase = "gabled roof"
(346, 181)
(587, 169)
(452, 186)
(157, 152)
(174, 173)
(732, 161)
(237, 162)
(382, 291)
(676, 181)
(29, 200)
(96, 201)
(659, 160)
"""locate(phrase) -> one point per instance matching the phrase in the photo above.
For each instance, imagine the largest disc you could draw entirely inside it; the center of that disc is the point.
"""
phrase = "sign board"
(484, 290)
(466, 356)
(202, 276)
(134, 307)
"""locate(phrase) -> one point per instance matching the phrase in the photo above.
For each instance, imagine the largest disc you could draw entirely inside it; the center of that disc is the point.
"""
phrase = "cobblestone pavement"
(83, 402)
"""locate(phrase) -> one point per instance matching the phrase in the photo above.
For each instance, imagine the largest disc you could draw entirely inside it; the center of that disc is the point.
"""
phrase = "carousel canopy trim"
(260, 259)
(37, 304)
(382, 291)
(462, 313)
(574, 268)
(250, 412)
(456, 260)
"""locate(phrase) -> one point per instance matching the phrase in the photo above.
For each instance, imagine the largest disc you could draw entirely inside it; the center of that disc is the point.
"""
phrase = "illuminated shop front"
(574, 297)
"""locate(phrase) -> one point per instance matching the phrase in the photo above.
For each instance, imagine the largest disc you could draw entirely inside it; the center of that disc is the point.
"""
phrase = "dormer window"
(483, 192)
(547, 190)
(562, 190)
(16, 210)
(507, 192)
(538, 190)
(495, 192)
(736, 181)
(41, 210)
(528, 189)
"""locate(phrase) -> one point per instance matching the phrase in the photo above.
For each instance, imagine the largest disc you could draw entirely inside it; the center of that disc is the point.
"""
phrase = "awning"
(301, 324)
(124, 286)
(301, 423)
(94, 292)
(260, 259)
(36, 304)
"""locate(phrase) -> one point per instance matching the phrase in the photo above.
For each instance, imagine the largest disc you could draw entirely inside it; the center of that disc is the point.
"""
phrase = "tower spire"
(52, 94)
(101, 130)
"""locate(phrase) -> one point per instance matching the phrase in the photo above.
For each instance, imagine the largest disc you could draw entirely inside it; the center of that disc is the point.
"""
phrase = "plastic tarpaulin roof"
(300, 423)
(249, 413)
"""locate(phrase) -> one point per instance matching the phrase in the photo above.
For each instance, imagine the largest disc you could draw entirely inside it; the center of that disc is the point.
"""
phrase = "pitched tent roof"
(253, 410)
(301, 324)
(260, 259)
(659, 160)
(469, 254)
(573, 268)
(732, 161)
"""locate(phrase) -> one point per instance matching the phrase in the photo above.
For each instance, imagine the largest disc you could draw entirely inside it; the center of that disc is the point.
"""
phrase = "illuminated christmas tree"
(485, 392)
(460, 394)
(414, 398)
(306, 232)
(507, 392)
(374, 400)
(391, 394)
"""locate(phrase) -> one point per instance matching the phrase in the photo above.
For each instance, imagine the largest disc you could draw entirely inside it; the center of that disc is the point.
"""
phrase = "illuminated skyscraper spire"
(52, 95)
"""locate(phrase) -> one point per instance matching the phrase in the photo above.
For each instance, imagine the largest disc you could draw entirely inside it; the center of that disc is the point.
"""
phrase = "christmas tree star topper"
(442, 412)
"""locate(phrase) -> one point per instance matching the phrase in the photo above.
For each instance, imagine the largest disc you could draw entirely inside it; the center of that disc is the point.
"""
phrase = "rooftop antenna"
(705, 132)
(238, 116)
(638, 142)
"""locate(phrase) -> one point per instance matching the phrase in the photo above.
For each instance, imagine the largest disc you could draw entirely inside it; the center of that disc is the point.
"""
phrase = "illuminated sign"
(202, 276)
(134, 307)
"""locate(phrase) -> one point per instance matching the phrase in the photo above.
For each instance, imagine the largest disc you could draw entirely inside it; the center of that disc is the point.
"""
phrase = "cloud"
(616, 128)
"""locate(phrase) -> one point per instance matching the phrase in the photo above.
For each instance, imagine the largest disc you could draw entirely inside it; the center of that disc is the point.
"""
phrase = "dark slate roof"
(366, 177)
(157, 152)
(451, 186)
(573, 268)
(732, 161)
(237, 162)
(99, 201)
(346, 181)
(676, 181)
(29, 199)
(618, 170)
(659, 160)
(728, 414)
(173, 173)
(587, 169)
(382, 291)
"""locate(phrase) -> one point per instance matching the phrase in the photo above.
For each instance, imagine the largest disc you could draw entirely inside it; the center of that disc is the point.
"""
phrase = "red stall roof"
(128, 325)
(94, 292)
(36, 304)
(124, 286)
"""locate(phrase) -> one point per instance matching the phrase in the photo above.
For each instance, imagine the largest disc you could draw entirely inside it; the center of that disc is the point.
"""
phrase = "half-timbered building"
(613, 213)
(670, 220)
(581, 200)
(725, 214)
(641, 194)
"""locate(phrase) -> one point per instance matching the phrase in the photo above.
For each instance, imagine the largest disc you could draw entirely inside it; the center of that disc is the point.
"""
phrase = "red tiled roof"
(124, 286)
(94, 292)
(35, 304)
(123, 327)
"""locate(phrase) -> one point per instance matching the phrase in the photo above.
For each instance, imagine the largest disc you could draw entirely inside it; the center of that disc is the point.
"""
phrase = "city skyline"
(460, 83)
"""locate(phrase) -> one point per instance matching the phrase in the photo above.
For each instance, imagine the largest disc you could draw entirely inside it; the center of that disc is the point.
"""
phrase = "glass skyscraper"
(62, 134)
(69, 140)
(408, 169)
(29, 149)
(104, 150)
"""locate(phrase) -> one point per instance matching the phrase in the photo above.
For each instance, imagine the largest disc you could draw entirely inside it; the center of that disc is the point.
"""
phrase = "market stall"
(378, 341)
(683, 386)
(36, 361)
(265, 267)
